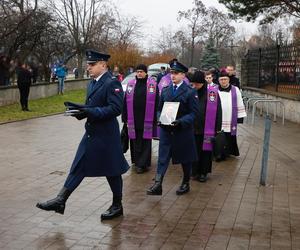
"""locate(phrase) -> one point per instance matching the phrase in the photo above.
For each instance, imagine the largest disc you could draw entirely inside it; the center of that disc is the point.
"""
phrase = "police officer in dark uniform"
(99, 152)
(177, 140)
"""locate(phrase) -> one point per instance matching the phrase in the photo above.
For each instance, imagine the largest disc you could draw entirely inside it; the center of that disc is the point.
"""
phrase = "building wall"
(10, 94)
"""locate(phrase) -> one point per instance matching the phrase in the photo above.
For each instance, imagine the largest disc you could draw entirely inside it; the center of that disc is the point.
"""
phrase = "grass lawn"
(41, 107)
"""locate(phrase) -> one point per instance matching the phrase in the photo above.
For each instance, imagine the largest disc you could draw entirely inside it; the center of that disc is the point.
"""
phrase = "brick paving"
(230, 211)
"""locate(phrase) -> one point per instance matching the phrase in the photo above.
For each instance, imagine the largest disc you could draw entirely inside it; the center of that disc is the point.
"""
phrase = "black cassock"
(140, 148)
(204, 164)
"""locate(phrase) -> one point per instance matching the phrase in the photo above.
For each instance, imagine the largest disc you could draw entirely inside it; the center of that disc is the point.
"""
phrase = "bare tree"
(194, 17)
(127, 31)
(14, 14)
(79, 18)
(217, 26)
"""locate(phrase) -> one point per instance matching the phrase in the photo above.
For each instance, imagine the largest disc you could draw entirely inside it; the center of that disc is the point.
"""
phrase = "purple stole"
(166, 81)
(210, 117)
(234, 110)
(149, 131)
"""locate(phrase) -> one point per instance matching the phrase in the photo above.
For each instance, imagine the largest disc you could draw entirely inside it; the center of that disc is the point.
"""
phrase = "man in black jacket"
(24, 82)
(233, 80)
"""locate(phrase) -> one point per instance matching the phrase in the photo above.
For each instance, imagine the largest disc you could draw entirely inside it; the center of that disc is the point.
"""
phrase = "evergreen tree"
(211, 57)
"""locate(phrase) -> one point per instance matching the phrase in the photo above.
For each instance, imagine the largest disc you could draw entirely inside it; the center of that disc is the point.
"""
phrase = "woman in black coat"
(204, 164)
(24, 82)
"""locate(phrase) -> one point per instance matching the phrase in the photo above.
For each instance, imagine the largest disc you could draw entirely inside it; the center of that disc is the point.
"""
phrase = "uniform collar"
(178, 85)
(98, 78)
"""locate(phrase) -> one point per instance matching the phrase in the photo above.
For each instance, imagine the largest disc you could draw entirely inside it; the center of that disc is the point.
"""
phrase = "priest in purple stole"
(206, 124)
(139, 113)
(233, 112)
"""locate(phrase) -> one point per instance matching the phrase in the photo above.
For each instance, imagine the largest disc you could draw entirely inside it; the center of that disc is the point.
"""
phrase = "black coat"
(200, 119)
(24, 78)
(234, 81)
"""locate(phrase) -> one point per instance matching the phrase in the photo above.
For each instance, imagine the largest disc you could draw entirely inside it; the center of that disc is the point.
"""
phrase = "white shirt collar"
(178, 85)
(98, 78)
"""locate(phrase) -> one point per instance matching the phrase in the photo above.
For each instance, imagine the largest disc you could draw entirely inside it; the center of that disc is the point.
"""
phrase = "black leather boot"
(156, 188)
(184, 188)
(57, 204)
(115, 210)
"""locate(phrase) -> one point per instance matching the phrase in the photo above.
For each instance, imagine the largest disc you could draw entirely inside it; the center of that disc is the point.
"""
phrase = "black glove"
(80, 115)
(176, 123)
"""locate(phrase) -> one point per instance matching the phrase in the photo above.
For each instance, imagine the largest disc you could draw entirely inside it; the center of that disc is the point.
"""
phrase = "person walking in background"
(161, 74)
(24, 78)
(61, 74)
(139, 113)
(232, 78)
(209, 79)
(233, 112)
(206, 125)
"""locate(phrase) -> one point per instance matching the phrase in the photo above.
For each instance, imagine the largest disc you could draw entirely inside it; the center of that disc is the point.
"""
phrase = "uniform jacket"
(101, 143)
(180, 139)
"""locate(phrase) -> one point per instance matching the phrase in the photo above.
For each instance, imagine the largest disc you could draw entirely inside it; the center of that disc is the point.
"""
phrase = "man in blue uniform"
(177, 140)
(99, 152)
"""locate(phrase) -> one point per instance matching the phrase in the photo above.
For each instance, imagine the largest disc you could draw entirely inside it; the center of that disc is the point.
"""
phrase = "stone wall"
(291, 103)
(10, 94)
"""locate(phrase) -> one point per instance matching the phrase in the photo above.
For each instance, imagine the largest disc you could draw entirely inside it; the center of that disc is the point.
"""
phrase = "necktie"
(93, 84)
(174, 89)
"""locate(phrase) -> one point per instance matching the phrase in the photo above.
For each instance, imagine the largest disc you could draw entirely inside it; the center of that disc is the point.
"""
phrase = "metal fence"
(274, 68)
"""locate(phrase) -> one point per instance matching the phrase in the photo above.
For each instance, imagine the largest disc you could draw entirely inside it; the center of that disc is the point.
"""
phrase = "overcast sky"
(158, 13)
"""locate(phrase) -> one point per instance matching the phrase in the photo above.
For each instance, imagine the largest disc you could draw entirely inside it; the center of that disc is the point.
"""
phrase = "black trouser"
(140, 149)
(204, 164)
(232, 147)
(24, 93)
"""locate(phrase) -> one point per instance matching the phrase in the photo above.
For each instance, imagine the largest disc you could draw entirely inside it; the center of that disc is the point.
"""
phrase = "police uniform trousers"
(204, 164)
(140, 150)
(164, 158)
(75, 178)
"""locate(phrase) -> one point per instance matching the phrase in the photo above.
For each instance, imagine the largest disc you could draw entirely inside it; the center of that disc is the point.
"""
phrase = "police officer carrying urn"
(99, 152)
(177, 140)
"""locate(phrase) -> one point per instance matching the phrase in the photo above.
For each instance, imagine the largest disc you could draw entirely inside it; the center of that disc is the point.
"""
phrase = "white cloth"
(226, 103)
(98, 78)
(178, 85)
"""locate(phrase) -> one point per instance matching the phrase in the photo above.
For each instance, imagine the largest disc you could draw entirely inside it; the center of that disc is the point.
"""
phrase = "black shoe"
(184, 188)
(113, 212)
(57, 204)
(156, 188)
(140, 170)
(203, 178)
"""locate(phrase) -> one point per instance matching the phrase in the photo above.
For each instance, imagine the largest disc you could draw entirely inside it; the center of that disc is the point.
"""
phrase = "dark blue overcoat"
(100, 151)
(181, 140)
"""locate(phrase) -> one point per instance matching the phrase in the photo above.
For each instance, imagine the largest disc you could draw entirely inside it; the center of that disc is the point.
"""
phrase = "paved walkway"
(230, 211)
